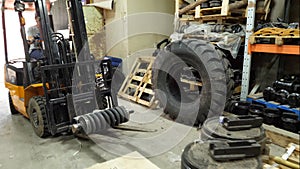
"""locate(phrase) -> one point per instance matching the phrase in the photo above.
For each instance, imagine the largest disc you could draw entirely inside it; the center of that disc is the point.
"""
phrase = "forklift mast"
(79, 29)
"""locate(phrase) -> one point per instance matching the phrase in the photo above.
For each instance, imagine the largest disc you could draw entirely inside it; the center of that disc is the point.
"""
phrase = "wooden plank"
(141, 90)
(283, 162)
(198, 12)
(294, 160)
(149, 81)
(153, 102)
(273, 36)
(126, 96)
(211, 9)
(268, 166)
(128, 79)
(149, 91)
(297, 147)
(191, 82)
(146, 59)
(129, 161)
(137, 78)
(219, 19)
(256, 96)
(142, 70)
(218, 16)
(177, 5)
(280, 137)
(275, 165)
(225, 7)
(133, 86)
(144, 102)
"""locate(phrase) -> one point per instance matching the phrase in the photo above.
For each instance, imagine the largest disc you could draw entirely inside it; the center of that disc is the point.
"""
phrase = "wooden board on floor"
(130, 161)
(280, 137)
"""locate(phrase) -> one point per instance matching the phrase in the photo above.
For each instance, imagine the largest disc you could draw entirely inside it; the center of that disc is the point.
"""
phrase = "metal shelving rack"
(262, 48)
(247, 55)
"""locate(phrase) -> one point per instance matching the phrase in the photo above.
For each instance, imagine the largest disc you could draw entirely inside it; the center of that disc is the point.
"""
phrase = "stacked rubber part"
(215, 3)
(284, 91)
(211, 4)
(101, 120)
(271, 116)
(201, 154)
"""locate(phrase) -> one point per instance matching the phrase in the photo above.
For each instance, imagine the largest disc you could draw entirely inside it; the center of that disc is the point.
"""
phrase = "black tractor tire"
(214, 70)
(13, 110)
(37, 115)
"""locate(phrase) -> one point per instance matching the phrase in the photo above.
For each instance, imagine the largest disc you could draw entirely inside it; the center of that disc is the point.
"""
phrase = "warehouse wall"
(279, 7)
(277, 10)
(137, 25)
(94, 27)
(60, 16)
(294, 11)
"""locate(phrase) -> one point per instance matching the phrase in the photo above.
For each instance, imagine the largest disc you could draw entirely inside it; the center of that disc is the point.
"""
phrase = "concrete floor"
(21, 148)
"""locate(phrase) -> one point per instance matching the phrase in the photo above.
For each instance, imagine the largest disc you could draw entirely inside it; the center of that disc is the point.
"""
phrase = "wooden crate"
(137, 86)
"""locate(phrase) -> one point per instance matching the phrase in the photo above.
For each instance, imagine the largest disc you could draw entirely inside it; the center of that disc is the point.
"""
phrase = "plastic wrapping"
(225, 37)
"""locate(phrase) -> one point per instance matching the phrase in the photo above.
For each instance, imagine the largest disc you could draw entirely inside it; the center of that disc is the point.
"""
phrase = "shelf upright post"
(247, 56)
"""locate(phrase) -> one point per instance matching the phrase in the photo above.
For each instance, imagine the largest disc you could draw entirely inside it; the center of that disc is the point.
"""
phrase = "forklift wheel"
(37, 114)
(11, 105)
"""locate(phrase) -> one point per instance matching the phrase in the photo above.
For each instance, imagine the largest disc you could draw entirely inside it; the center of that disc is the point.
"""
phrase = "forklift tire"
(13, 110)
(213, 69)
(37, 115)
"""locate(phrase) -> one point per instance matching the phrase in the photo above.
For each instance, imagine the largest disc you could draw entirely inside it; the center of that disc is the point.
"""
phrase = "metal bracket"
(242, 122)
(234, 150)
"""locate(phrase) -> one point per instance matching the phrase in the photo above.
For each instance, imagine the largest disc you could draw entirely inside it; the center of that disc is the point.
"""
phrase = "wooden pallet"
(278, 36)
(137, 86)
(219, 19)
(226, 13)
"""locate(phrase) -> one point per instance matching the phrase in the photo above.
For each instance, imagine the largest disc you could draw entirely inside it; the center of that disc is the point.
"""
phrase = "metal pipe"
(4, 31)
(23, 34)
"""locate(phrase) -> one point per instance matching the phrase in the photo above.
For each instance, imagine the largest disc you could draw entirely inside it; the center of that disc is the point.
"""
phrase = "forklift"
(67, 90)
